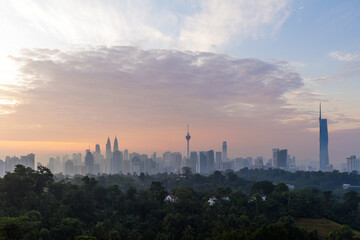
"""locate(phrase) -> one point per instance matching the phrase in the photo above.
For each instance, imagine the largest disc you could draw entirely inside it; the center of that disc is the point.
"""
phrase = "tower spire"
(187, 139)
(320, 111)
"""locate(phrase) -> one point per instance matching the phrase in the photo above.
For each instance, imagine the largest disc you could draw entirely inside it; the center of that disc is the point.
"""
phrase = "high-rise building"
(117, 162)
(116, 145)
(192, 162)
(28, 160)
(275, 152)
(97, 149)
(324, 141)
(175, 162)
(218, 162)
(353, 163)
(187, 140)
(99, 160)
(259, 162)
(224, 151)
(89, 162)
(77, 159)
(108, 157)
(69, 167)
(211, 160)
(2, 168)
(126, 155)
(203, 162)
(282, 159)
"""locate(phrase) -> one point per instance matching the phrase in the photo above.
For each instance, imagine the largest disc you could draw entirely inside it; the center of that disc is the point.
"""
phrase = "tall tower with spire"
(188, 141)
(324, 142)
(108, 156)
(116, 145)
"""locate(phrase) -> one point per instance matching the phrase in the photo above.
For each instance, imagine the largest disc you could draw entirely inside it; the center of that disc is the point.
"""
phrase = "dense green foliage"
(34, 206)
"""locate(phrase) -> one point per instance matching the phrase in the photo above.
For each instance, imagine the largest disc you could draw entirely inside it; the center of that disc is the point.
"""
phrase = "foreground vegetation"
(34, 206)
(324, 227)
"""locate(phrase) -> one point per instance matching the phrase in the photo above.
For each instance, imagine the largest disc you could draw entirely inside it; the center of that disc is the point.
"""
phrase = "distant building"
(135, 164)
(89, 162)
(117, 162)
(353, 163)
(116, 145)
(275, 152)
(77, 159)
(324, 141)
(224, 151)
(218, 160)
(69, 167)
(282, 159)
(27, 161)
(203, 162)
(259, 162)
(211, 160)
(212, 201)
(108, 157)
(126, 155)
(170, 198)
(192, 162)
(2, 168)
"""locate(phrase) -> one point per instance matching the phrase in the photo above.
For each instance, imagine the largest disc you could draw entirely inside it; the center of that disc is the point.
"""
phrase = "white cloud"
(199, 26)
(220, 21)
(344, 56)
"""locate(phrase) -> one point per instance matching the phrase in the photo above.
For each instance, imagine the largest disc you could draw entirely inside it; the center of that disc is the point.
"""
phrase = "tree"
(18, 228)
(345, 233)
(352, 200)
(262, 187)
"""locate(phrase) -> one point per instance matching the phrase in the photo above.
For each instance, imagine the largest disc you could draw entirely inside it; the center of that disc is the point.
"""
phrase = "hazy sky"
(252, 73)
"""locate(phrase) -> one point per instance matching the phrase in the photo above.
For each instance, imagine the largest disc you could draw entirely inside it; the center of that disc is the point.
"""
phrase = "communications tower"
(188, 140)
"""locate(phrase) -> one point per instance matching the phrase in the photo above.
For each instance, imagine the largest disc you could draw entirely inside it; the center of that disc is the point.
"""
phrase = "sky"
(251, 73)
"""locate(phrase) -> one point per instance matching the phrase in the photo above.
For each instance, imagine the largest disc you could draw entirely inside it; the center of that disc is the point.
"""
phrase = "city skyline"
(251, 73)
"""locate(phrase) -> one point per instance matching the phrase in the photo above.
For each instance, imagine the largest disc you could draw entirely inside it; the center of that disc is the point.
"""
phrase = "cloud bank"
(184, 25)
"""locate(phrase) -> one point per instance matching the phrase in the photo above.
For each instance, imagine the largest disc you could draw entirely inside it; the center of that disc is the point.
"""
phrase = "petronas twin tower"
(113, 160)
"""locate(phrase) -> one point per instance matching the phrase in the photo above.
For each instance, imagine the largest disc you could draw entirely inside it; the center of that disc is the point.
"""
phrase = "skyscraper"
(97, 149)
(324, 141)
(116, 145)
(188, 140)
(203, 163)
(282, 159)
(275, 152)
(224, 151)
(211, 160)
(89, 162)
(117, 162)
(218, 161)
(108, 157)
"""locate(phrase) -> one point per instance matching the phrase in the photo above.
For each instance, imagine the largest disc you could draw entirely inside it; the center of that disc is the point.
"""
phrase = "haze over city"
(251, 73)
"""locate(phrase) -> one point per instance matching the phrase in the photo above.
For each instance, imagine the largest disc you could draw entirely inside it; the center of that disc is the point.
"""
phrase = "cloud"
(184, 25)
(132, 87)
(219, 21)
(344, 56)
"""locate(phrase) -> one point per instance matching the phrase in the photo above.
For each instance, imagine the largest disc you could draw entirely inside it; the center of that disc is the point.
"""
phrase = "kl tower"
(188, 140)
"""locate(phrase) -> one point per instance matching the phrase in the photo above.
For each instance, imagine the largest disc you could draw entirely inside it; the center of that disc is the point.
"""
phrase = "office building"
(203, 162)
(324, 141)
(224, 151)
(89, 162)
(211, 161)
